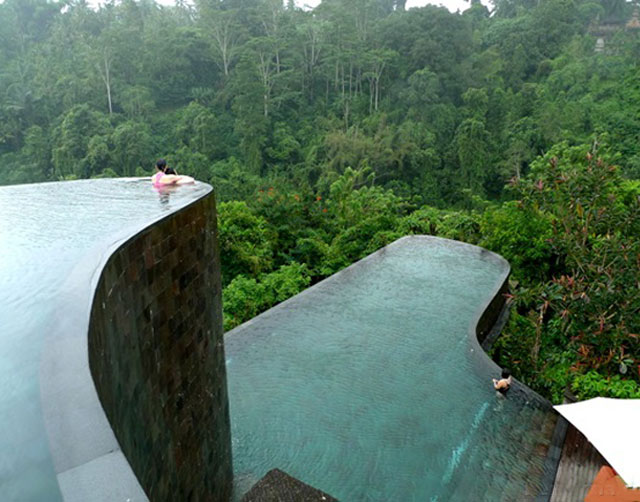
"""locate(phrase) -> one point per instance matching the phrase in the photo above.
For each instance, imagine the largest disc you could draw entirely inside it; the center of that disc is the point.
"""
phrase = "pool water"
(369, 386)
(45, 229)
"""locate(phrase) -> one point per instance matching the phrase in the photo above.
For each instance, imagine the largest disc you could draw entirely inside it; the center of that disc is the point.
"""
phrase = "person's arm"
(185, 180)
(169, 179)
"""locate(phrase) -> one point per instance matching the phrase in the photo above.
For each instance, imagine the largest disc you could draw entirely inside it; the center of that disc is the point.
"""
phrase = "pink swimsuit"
(155, 179)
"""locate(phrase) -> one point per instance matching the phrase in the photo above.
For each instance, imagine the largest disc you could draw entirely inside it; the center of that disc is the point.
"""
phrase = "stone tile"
(153, 369)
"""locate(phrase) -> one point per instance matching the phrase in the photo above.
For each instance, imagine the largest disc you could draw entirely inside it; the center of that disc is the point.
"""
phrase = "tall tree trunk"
(267, 79)
(225, 41)
(346, 115)
(105, 72)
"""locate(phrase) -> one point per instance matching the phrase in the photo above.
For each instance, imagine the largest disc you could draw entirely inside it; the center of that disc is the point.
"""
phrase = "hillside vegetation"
(330, 133)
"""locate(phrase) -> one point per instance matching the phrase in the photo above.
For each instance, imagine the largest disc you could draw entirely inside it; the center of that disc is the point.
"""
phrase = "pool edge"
(86, 455)
(485, 318)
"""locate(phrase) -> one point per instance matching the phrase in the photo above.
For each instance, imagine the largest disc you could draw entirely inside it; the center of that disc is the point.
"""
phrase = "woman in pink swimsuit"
(161, 179)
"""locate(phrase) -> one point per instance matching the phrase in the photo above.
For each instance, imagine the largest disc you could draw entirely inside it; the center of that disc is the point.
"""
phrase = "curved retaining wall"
(493, 312)
(157, 358)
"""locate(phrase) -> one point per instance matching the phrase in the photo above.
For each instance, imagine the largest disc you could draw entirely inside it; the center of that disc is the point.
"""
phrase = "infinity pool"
(45, 229)
(371, 387)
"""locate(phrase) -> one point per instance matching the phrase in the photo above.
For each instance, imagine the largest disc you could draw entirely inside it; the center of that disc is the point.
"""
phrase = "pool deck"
(578, 467)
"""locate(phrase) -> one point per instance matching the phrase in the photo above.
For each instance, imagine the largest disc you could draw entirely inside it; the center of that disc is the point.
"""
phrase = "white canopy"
(613, 427)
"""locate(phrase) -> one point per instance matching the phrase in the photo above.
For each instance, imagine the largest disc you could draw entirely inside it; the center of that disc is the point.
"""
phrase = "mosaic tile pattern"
(492, 312)
(157, 358)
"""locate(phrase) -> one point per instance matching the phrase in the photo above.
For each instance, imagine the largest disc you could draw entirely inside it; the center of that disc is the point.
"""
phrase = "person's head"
(506, 373)
(169, 170)
(161, 165)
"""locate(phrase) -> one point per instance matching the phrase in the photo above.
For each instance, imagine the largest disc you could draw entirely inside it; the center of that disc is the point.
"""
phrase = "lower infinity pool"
(370, 387)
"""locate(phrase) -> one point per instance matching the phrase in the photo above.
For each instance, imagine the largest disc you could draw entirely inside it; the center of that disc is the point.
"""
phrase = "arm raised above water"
(174, 179)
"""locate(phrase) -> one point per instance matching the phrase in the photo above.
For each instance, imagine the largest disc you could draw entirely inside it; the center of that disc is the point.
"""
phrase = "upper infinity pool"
(371, 386)
(45, 230)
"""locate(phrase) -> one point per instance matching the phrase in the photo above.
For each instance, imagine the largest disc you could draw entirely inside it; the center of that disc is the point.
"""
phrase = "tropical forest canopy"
(332, 132)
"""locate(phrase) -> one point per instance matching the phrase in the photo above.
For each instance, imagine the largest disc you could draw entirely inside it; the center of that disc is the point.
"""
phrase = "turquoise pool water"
(369, 387)
(45, 230)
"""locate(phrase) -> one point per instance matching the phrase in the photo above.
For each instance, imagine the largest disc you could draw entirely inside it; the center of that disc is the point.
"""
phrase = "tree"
(104, 64)
(376, 62)
(245, 241)
(245, 298)
(196, 128)
(272, 18)
(37, 152)
(71, 140)
(250, 106)
(585, 315)
(471, 143)
(131, 147)
(226, 33)
(311, 31)
(262, 51)
(137, 102)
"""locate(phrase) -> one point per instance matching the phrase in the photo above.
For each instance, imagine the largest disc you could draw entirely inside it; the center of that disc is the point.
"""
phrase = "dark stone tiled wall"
(157, 358)
(490, 316)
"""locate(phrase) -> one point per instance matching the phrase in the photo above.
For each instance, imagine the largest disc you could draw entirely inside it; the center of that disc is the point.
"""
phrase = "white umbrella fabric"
(613, 427)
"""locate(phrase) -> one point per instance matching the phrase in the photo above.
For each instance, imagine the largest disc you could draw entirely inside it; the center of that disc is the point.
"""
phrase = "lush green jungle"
(331, 132)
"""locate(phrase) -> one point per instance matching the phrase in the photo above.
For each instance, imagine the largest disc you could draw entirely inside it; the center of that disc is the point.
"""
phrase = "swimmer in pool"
(504, 383)
(165, 176)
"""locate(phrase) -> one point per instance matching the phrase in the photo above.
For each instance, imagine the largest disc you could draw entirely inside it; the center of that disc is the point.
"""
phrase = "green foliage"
(196, 129)
(457, 225)
(287, 281)
(245, 297)
(472, 144)
(75, 139)
(523, 236)
(298, 96)
(130, 147)
(246, 241)
(288, 213)
(232, 181)
(241, 299)
(137, 102)
(555, 376)
(593, 384)
(588, 303)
